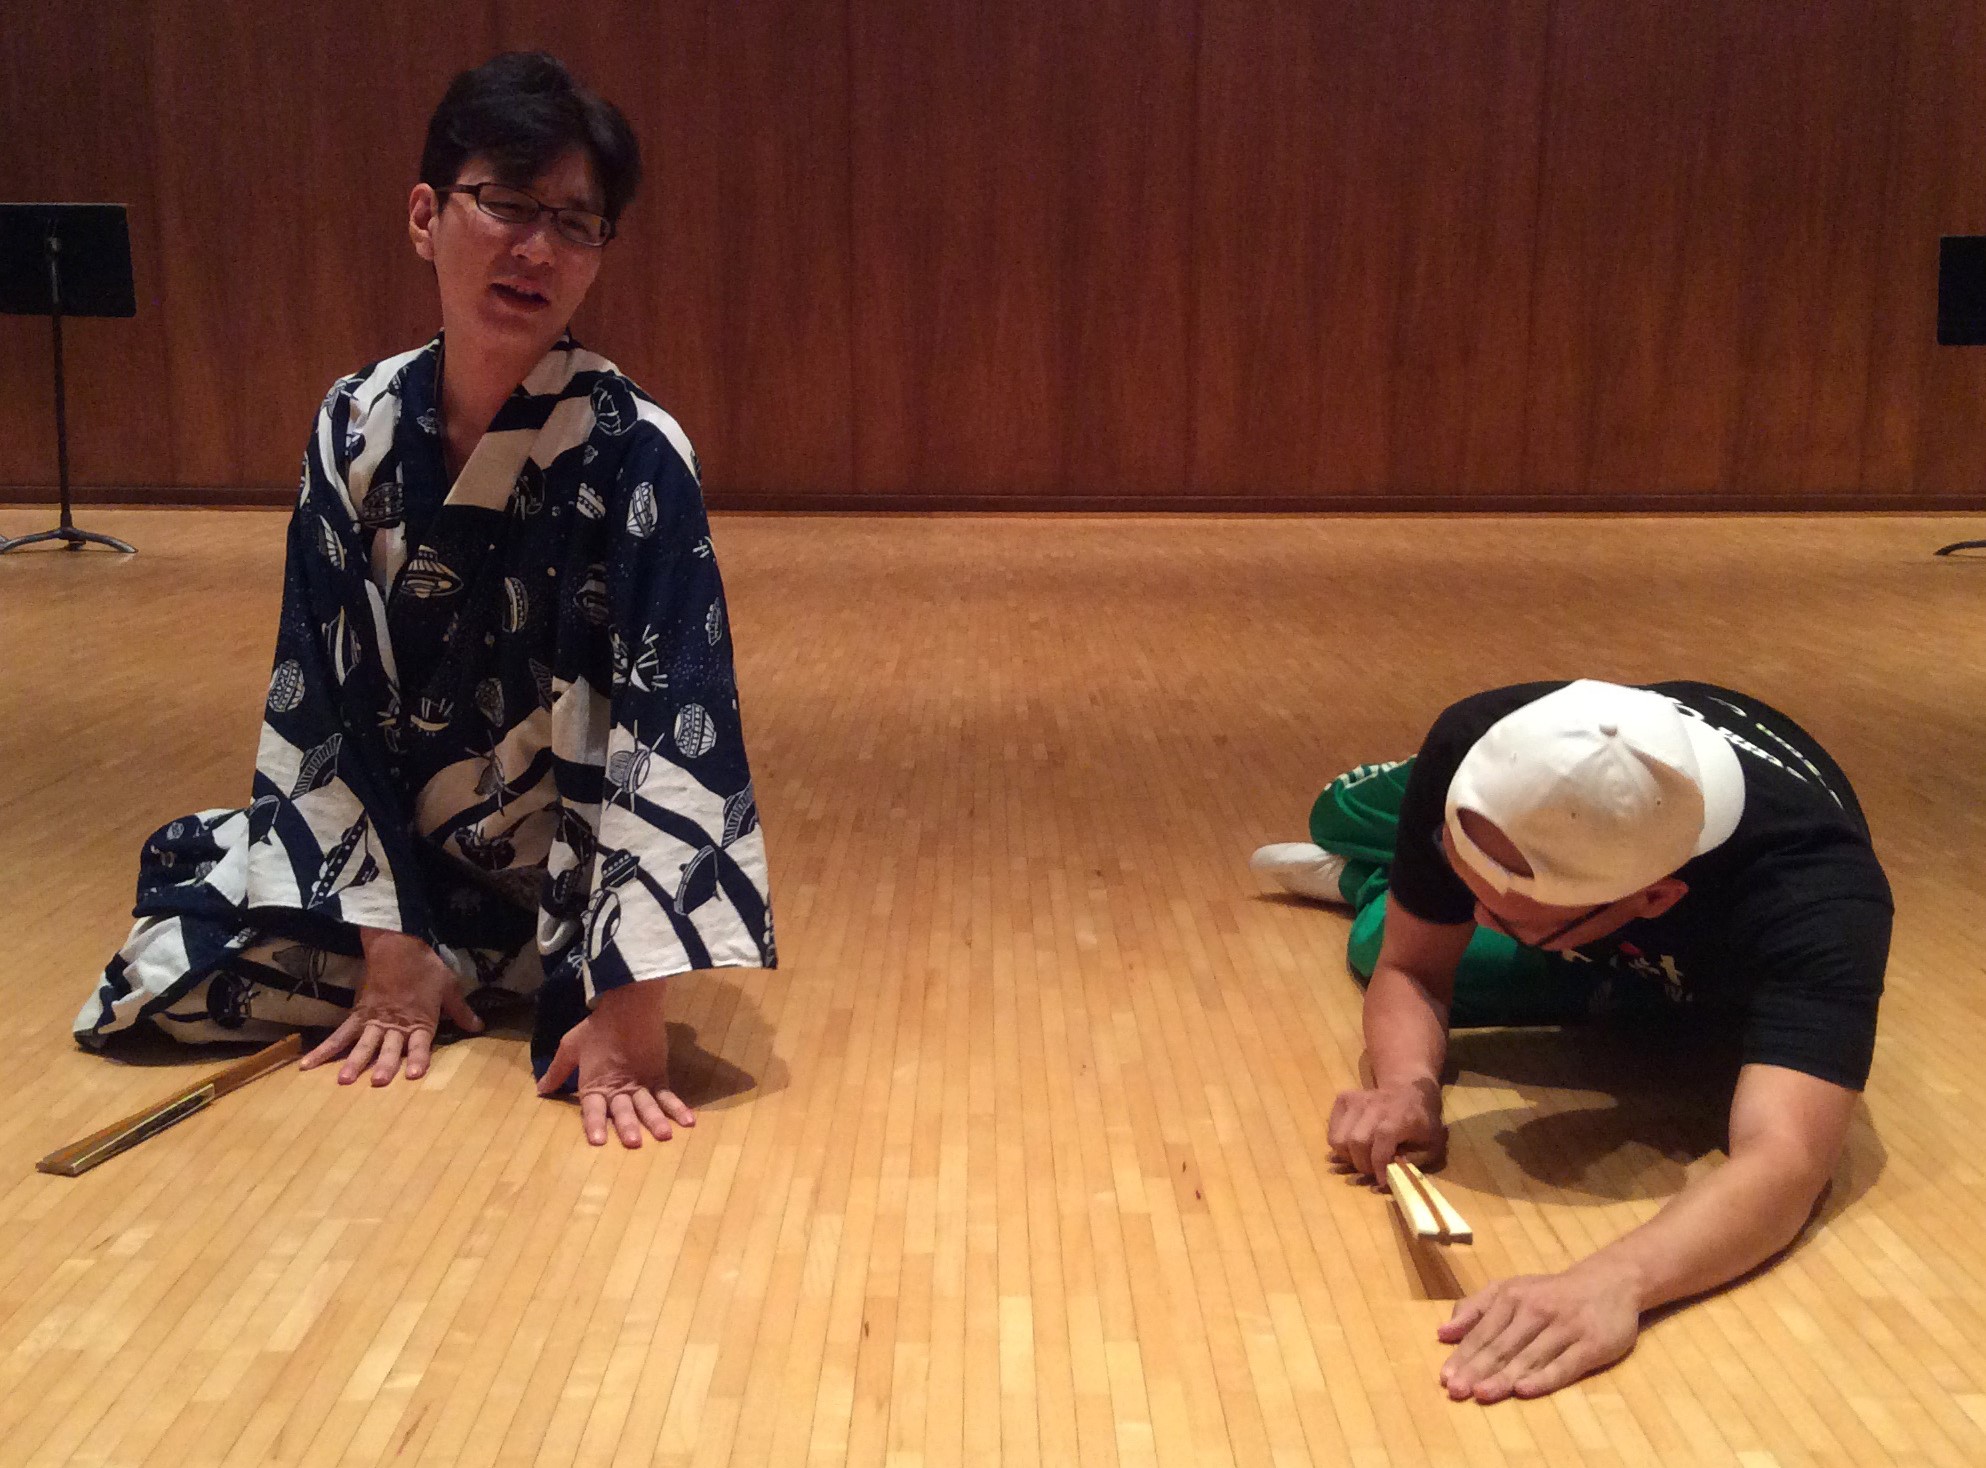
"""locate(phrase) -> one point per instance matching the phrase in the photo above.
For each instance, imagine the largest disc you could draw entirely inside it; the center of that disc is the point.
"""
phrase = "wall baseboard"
(1716, 502)
(1357, 504)
(149, 497)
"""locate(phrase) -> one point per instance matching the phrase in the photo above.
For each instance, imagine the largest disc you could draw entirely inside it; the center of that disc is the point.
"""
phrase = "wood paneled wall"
(1392, 253)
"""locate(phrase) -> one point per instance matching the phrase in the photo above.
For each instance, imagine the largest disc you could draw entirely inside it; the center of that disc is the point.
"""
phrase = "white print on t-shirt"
(1779, 740)
(1662, 968)
(1363, 773)
(1738, 741)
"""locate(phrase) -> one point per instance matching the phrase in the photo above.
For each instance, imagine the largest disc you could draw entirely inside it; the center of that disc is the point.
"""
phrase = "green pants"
(1499, 981)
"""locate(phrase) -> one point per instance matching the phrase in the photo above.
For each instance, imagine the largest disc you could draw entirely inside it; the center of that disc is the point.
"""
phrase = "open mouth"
(520, 295)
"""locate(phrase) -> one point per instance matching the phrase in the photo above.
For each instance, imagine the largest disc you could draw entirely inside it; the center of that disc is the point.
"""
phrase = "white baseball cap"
(1602, 790)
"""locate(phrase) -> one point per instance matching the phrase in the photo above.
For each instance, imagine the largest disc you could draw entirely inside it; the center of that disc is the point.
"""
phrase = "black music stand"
(1962, 312)
(61, 260)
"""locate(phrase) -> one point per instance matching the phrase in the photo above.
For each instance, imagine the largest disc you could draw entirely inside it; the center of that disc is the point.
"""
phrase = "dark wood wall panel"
(1021, 180)
(1260, 325)
(1557, 252)
(235, 187)
(1128, 180)
(51, 150)
(955, 233)
(1623, 127)
(727, 294)
(1366, 199)
(1923, 431)
(1706, 245)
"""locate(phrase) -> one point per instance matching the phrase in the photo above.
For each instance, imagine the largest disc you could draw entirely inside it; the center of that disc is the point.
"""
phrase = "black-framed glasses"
(513, 206)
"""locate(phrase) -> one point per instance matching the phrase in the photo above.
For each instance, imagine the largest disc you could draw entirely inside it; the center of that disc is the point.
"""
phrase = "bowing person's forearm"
(1406, 1029)
(1406, 1003)
(1722, 1224)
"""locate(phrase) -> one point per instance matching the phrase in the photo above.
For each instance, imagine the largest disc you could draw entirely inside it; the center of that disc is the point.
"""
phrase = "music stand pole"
(66, 532)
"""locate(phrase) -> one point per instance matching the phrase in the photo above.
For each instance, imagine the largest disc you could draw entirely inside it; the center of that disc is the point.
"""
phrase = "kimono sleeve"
(329, 830)
(679, 877)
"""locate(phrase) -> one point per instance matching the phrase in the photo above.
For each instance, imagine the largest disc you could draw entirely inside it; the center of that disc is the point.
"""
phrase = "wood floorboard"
(1019, 1158)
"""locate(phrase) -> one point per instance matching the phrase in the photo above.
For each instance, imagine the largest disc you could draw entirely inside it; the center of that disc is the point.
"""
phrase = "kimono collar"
(490, 475)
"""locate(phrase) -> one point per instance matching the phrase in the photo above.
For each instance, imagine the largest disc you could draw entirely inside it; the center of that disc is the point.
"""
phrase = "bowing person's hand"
(621, 1054)
(404, 990)
(1531, 1335)
(1372, 1127)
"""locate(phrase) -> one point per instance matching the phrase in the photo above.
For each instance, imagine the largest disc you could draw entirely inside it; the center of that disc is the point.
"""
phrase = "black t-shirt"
(1786, 923)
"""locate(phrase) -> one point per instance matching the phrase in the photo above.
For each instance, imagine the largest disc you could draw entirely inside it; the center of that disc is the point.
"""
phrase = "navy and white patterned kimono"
(502, 711)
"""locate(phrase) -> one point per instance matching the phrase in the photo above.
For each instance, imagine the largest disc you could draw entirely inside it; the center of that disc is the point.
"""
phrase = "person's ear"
(1658, 897)
(423, 205)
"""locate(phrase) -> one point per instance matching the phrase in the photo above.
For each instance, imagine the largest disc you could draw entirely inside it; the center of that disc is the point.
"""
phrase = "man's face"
(1534, 924)
(508, 287)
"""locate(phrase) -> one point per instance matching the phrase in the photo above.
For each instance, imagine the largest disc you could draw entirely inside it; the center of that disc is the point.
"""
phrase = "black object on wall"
(1962, 311)
(1962, 290)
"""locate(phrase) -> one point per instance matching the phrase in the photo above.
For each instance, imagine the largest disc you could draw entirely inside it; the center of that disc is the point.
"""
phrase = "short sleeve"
(1816, 975)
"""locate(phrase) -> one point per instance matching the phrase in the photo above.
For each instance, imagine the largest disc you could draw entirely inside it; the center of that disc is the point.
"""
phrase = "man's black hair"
(521, 110)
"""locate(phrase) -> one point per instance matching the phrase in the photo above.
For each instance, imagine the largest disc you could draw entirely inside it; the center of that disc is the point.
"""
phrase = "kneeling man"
(502, 748)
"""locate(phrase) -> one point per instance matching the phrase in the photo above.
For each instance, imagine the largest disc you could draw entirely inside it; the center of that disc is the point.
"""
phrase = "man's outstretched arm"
(1397, 1112)
(1532, 1335)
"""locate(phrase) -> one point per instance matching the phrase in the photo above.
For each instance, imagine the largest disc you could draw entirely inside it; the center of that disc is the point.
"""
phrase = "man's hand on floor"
(621, 1054)
(1372, 1127)
(1531, 1335)
(403, 992)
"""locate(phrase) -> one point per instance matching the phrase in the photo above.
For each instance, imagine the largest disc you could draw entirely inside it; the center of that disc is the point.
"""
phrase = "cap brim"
(1722, 780)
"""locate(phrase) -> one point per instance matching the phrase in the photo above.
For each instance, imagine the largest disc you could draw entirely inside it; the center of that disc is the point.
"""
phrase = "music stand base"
(1959, 545)
(72, 539)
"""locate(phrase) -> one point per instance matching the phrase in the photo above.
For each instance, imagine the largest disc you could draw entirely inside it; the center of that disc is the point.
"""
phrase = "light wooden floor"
(1021, 1156)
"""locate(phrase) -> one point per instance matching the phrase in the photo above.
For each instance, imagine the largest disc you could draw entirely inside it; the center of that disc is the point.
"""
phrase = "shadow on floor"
(712, 1079)
(1616, 1112)
(704, 1058)
(708, 1079)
